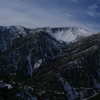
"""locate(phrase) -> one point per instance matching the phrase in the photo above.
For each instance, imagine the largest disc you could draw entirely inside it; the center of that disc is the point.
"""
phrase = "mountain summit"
(68, 34)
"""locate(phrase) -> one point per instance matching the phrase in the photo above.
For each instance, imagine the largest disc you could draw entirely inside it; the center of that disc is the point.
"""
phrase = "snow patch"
(38, 63)
(3, 85)
(70, 92)
(30, 70)
(68, 34)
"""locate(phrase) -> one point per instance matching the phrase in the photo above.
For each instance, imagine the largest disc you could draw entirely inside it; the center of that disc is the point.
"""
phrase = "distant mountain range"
(61, 63)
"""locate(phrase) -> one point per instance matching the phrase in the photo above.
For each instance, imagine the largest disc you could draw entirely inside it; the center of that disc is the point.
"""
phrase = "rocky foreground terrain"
(49, 64)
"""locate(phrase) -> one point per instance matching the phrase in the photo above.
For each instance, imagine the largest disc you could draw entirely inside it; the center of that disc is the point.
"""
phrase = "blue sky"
(41, 13)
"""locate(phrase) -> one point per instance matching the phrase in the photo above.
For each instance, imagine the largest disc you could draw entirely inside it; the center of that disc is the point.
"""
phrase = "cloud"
(74, 0)
(20, 12)
(32, 15)
(92, 11)
(93, 7)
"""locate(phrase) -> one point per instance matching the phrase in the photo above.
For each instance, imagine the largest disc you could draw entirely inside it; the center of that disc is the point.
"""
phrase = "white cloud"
(93, 7)
(92, 11)
(34, 16)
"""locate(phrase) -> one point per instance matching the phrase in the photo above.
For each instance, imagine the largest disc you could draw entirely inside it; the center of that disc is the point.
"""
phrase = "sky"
(51, 13)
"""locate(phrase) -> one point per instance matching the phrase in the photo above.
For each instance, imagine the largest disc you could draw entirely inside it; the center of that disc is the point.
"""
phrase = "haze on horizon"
(41, 13)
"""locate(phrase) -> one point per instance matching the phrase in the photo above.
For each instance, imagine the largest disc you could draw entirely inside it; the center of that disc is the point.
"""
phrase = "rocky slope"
(35, 64)
(21, 47)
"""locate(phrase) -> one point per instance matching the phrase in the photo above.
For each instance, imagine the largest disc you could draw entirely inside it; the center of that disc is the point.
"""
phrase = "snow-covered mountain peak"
(68, 34)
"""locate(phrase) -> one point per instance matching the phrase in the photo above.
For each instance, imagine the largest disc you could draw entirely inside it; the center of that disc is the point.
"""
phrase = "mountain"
(66, 34)
(25, 47)
(32, 46)
(49, 63)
